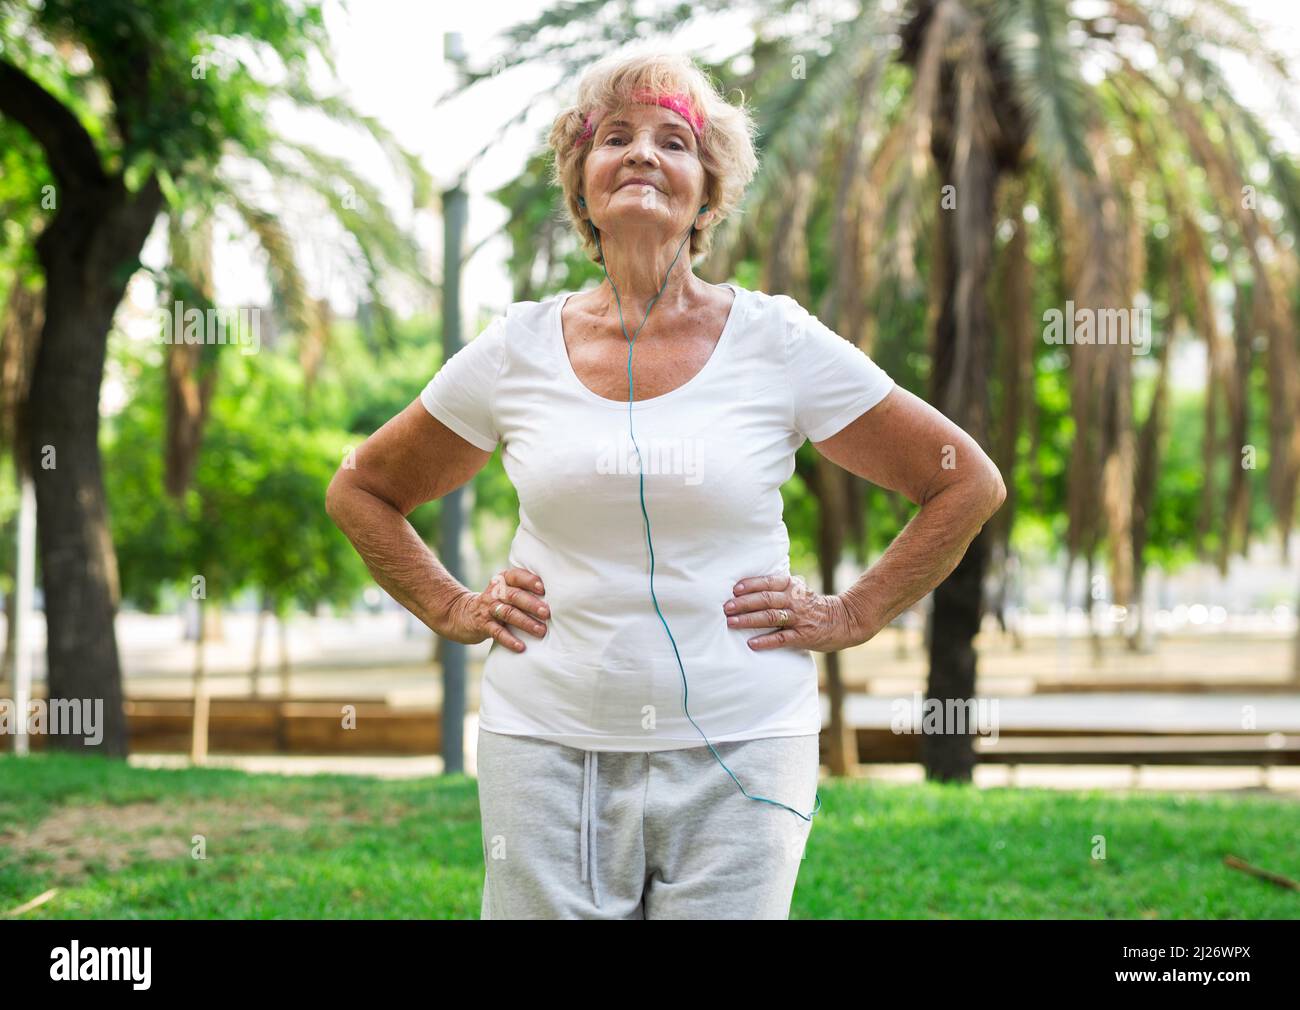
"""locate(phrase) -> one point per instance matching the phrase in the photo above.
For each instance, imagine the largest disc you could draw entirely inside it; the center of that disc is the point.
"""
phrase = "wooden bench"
(878, 745)
(276, 726)
(1259, 749)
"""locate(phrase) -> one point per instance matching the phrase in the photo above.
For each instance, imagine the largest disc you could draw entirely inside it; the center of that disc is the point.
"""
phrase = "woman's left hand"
(806, 620)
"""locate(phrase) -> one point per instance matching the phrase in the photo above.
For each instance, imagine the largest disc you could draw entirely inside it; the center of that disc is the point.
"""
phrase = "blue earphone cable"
(645, 515)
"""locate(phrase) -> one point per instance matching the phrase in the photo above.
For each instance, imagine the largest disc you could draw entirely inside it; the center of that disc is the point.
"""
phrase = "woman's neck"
(639, 278)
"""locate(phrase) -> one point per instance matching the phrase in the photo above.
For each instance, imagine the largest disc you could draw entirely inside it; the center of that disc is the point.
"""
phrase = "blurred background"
(951, 185)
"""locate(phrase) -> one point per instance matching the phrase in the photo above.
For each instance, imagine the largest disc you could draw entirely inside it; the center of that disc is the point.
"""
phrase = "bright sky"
(390, 62)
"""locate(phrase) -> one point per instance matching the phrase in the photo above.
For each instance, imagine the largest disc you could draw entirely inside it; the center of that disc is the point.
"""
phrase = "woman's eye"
(677, 145)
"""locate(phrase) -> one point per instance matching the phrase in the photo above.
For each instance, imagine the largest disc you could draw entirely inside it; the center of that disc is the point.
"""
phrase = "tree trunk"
(284, 654)
(927, 627)
(1063, 630)
(828, 485)
(963, 143)
(958, 611)
(1295, 655)
(11, 626)
(88, 252)
(199, 729)
(20, 336)
(215, 631)
(78, 566)
(259, 636)
(900, 639)
(1094, 635)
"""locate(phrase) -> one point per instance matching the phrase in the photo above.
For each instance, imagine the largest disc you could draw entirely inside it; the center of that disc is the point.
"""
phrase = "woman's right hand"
(513, 597)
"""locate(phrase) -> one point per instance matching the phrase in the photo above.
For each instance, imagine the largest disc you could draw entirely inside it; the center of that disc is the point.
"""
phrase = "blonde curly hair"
(726, 142)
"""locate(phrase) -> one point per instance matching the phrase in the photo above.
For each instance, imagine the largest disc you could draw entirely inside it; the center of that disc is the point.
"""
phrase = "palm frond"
(793, 120)
(945, 20)
(1032, 37)
(576, 33)
(190, 374)
(287, 284)
(843, 308)
(1015, 350)
(341, 111)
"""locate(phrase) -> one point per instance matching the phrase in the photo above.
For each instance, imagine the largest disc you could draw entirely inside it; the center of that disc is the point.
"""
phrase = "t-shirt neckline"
(719, 349)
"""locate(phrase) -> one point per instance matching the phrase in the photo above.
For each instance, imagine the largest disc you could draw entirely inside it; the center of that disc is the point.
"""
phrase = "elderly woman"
(649, 716)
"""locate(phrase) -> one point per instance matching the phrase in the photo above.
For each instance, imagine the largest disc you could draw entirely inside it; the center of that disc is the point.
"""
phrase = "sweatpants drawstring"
(589, 821)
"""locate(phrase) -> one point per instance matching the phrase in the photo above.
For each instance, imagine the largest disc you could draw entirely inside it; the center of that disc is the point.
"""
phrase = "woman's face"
(651, 143)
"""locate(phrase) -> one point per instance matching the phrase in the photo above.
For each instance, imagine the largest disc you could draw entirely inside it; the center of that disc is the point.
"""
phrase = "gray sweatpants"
(576, 834)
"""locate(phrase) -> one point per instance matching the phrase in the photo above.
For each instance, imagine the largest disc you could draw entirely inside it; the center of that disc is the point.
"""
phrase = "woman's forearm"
(920, 557)
(398, 559)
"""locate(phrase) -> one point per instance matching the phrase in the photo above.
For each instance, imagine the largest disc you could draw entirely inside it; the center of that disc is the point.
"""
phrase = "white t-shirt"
(716, 452)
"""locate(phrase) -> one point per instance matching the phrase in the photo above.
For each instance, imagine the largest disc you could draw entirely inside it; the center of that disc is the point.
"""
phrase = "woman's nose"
(639, 148)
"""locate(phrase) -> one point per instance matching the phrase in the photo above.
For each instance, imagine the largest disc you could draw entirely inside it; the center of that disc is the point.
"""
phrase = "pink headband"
(679, 103)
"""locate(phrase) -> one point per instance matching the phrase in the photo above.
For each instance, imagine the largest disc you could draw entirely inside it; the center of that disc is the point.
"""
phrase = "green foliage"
(179, 70)
(23, 178)
(255, 514)
(149, 530)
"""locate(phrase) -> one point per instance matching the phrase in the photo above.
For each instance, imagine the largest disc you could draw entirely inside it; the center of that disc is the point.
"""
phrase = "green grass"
(117, 842)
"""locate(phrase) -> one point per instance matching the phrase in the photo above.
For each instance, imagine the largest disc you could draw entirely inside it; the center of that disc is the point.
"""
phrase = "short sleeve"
(461, 393)
(832, 381)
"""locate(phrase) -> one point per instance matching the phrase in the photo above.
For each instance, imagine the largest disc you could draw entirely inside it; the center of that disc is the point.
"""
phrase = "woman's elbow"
(995, 490)
(335, 495)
